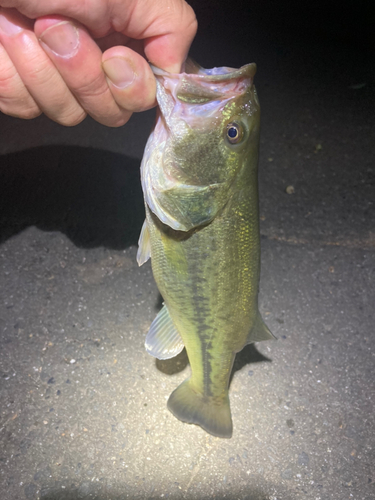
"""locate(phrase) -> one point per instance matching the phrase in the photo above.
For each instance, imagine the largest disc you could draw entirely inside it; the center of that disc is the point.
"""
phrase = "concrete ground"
(83, 406)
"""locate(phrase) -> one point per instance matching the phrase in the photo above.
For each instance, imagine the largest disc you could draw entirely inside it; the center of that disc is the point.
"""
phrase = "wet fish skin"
(202, 233)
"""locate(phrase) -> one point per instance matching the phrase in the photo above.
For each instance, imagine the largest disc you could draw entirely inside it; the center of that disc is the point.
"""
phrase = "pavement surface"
(83, 406)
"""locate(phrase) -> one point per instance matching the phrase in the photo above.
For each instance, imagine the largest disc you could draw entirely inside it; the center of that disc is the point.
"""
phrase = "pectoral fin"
(259, 332)
(163, 340)
(144, 245)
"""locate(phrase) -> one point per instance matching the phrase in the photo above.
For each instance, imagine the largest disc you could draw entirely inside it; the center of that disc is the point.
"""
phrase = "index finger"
(169, 36)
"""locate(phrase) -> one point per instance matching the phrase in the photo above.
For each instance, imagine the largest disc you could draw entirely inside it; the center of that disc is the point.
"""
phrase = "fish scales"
(199, 176)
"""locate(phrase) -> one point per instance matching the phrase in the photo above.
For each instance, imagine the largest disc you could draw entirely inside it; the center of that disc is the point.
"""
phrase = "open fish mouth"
(194, 72)
(210, 89)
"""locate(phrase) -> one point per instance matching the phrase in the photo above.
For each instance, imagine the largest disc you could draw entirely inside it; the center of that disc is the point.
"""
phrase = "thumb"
(129, 78)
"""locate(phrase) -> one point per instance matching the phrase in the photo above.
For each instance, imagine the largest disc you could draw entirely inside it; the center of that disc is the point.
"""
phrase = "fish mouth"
(196, 85)
(197, 95)
(194, 71)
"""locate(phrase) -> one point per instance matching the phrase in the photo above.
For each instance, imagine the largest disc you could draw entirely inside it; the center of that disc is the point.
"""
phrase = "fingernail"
(8, 27)
(119, 71)
(61, 38)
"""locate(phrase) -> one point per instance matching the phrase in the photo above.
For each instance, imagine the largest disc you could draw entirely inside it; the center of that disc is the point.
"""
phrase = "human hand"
(55, 65)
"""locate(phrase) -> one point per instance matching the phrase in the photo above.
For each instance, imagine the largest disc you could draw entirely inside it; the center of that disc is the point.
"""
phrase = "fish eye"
(235, 132)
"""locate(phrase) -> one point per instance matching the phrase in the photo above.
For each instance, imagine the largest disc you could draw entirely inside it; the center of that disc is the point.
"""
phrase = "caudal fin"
(190, 407)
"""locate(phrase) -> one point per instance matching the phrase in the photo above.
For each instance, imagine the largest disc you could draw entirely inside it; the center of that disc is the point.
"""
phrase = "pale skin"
(72, 58)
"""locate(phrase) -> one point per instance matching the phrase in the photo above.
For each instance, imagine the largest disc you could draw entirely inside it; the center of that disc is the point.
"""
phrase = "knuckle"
(71, 119)
(112, 120)
(140, 98)
(39, 69)
(119, 121)
(30, 114)
(192, 24)
(95, 87)
(23, 112)
(8, 80)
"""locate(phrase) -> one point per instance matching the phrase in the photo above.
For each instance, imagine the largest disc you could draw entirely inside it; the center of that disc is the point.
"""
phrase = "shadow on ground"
(92, 196)
(77, 493)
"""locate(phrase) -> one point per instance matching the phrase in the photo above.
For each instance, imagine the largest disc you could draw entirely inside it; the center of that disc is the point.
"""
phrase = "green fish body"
(199, 177)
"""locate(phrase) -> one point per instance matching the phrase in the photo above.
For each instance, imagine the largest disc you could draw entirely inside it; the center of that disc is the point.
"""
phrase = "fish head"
(206, 132)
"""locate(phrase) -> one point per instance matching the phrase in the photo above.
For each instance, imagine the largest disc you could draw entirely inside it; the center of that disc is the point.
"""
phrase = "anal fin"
(260, 331)
(163, 340)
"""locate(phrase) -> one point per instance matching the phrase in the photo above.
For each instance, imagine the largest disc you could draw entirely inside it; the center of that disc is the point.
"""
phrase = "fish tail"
(193, 408)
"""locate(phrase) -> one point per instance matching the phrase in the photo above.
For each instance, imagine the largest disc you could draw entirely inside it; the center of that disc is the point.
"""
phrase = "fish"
(200, 186)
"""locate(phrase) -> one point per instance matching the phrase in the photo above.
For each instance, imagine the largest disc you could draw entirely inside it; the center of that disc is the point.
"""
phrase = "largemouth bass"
(199, 179)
